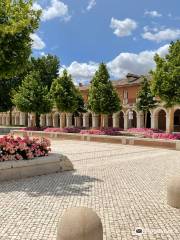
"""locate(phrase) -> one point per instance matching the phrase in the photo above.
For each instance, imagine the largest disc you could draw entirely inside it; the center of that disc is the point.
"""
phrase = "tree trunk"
(37, 115)
(10, 117)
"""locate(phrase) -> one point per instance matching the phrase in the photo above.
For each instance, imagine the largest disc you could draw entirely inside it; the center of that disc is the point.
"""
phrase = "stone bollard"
(80, 224)
(173, 192)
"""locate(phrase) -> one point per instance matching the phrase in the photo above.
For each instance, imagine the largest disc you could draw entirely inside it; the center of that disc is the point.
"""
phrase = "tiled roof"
(131, 79)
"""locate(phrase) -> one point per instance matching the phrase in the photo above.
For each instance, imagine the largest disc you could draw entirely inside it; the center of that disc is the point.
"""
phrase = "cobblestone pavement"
(125, 185)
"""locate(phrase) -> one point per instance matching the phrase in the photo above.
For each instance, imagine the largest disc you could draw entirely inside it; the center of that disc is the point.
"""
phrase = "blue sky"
(123, 34)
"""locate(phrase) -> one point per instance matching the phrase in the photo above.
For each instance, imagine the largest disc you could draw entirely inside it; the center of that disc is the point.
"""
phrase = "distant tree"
(32, 96)
(146, 100)
(17, 22)
(166, 76)
(102, 98)
(64, 93)
(48, 68)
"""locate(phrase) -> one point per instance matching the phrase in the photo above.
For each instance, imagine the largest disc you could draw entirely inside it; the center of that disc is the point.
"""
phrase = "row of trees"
(39, 96)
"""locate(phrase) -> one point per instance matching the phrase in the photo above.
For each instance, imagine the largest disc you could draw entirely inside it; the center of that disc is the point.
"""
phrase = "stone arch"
(17, 119)
(177, 120)
(159, 118)
(132, 123)
(56, 120)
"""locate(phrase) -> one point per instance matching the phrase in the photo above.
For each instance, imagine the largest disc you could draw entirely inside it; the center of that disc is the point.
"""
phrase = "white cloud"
(140, 63)
(57, 9)
(152, 13)
(163, 35)
(124, 63)
(91, 4)
(36, 6)
(124, 27)
(38, 43)
(81, 72)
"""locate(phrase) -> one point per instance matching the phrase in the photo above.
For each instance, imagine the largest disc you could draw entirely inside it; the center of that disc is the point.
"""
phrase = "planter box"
(53, 163)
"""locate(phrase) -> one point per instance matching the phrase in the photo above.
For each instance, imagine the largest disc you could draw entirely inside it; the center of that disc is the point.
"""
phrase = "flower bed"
(103, 131)
(63, 130)
(154, 133)
(12, 148)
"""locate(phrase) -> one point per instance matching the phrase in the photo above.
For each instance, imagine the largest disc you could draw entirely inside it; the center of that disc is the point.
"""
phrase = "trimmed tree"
(64, 93)
(17, 22)
(48, 68)
(166, 76)
(166, 79)
(102, 98)
(146, 100)
(32, 96)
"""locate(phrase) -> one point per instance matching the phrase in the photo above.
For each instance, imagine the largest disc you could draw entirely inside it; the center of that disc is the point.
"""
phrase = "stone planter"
(53, 163)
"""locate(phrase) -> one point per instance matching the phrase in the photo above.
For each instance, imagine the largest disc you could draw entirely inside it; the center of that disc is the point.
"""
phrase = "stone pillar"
(22, 119)
(125, 121)
(62, 120)
(77, 121)
(140, 120)
(95, 120)
(170, 120)
(86, 120)
(0, 119)
(43, 120)
(7, 119)
(104, 121)
(115, 120)
(49, 120)
(4, 120)
(13, 119)
(80, 224)
(69, 119)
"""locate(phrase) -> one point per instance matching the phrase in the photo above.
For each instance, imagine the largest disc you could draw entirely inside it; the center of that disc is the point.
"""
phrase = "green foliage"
(32, 96)
(64, 93)
(48, 67)
(146, 100)
(166, 76)
(17, 22)
(103, 98)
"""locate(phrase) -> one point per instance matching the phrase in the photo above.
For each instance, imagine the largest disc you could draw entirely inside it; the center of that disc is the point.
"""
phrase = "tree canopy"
(48, 68)
(17, 22)
(146, 99)
(32, 96)
(102, 98)
(166, 76)
(64, 93)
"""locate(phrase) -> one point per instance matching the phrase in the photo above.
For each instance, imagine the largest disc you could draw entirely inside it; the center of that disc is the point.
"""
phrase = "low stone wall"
(53, 163)
(148, 142)
(5, 130)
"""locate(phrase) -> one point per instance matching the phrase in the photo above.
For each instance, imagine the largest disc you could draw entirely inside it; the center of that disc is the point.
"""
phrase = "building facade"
(161, 118)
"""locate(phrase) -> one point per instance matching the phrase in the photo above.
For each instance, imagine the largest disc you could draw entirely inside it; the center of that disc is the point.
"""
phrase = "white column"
(22, 118)
(115, 120)
(126, 121)
(48, 120)
(140, 120)
(86, 120)
(104, 121)
(154, 121)
(62, 120)
(95, 120)
(69, 119)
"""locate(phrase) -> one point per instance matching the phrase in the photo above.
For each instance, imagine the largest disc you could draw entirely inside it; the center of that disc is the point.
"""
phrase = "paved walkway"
(125, 185)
